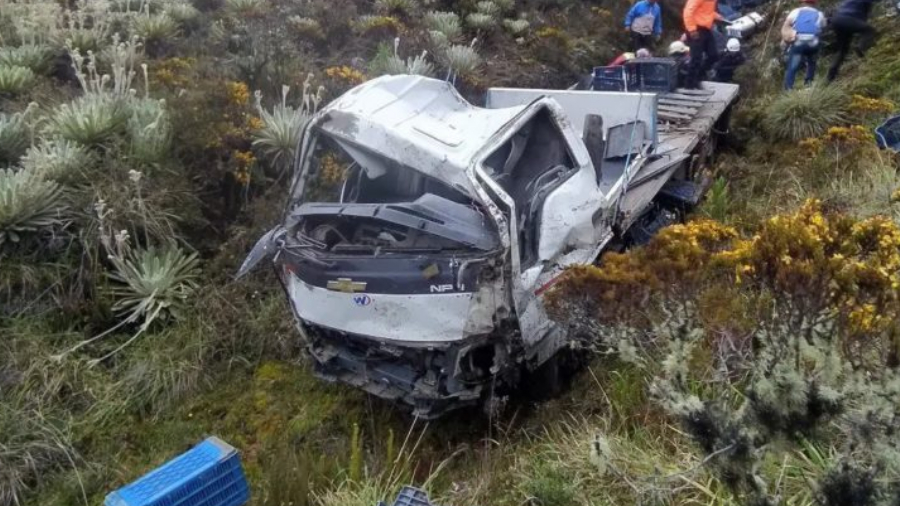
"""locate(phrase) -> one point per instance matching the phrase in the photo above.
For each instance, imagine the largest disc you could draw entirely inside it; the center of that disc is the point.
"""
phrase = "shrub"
(516, 26)
(36, 57)
(182, 13)
(717, 202)
(370, 23)
(245, 7)
(807, 112)
(149, 130)
(279, 136)
(14, 136)
(446, 23)
(505, 5)
(395, 6)
(462, 60)
(29, 204)
(488, 7)
(480, 21)
(438, 40)
(89, 120)
(15, 80)
(154, 29)
(58, 159)
(306, 27)
(386, 61)
(153, 282)
(549, 486)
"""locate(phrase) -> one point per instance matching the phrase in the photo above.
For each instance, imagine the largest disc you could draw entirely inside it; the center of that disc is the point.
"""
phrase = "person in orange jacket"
(699, 18)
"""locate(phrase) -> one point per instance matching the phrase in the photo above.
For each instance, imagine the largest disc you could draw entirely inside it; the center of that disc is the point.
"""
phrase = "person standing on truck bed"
(851, 18)
(644, 23)
(801, 32)
(699, 18)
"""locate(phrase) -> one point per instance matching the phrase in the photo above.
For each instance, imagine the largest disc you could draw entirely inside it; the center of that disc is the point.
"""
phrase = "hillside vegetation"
(145, 144)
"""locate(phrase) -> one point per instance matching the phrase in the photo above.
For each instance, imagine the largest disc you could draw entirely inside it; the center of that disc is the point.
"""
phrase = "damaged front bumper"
(431, 379)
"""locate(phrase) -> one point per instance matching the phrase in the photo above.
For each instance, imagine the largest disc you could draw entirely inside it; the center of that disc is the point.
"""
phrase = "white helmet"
(678, 47)
(733, 45)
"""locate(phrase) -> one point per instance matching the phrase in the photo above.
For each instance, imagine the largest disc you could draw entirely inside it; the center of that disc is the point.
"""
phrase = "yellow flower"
(238, 93)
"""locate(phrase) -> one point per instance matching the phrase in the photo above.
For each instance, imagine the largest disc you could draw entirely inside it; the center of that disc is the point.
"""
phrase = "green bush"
(14, 79)
(281, 130)
(14, 137)
(89, 120)
(395, 6)
(149, 130)
(36, 57)
(446, 23)
(155, 29)
(58, 159)
(807, 112)
(480, 21)
(516, 26)
(29, 205)
(462, 60)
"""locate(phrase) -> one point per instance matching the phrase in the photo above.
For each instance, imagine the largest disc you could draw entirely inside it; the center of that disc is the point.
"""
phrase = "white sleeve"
(822, 20)
(792, 16)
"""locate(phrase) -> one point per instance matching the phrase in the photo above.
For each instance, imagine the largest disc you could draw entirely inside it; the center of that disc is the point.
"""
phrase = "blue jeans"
(798, 54)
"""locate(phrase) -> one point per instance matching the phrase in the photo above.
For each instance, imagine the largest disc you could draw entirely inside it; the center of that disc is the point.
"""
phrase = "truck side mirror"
(593, 141)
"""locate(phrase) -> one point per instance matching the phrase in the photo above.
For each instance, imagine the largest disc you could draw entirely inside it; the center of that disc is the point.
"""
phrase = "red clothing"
(620, 60)
(700, 14)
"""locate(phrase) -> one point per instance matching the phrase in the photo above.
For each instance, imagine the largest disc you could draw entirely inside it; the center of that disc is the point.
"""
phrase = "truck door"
(552, 195)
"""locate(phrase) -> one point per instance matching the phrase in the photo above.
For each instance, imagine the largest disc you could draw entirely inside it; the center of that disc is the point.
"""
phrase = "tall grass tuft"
(718, 201)
(29, 204)
(90, 120)
(481, 21)
(15, 79)
(155, 29)
(149, 130)
(395, 6)
(15, 136)
(516, 26)
(446, 23)
(36, 57)
(279, 136)
(57, 159)
(462, 61)
(807, 112)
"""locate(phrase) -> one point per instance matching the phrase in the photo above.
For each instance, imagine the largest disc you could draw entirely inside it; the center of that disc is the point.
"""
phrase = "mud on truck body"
(421, 231)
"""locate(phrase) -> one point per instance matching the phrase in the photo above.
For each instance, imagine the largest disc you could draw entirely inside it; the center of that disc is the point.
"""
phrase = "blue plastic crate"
(656, 74)
(888, 134)
(615, 78)
(410, 496)
(208, 474)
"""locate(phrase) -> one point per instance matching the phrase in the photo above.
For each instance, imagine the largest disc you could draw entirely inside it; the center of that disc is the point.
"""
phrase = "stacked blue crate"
(209, 474)
(410, 496)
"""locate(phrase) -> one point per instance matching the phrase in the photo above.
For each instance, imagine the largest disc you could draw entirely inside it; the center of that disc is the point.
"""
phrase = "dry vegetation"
(144, 145)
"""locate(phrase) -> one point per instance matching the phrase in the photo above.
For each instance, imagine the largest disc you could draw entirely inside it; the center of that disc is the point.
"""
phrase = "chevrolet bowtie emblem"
(346, 285)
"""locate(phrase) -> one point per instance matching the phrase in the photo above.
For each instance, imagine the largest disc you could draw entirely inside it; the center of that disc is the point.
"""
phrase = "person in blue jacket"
(851, 19)
(800, 33)
(644, 23)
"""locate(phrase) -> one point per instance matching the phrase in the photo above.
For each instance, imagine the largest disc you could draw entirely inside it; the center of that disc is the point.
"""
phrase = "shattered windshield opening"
(352, 200)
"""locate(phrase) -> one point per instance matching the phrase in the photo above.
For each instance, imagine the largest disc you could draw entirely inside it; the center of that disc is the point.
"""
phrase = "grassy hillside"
(139, 163)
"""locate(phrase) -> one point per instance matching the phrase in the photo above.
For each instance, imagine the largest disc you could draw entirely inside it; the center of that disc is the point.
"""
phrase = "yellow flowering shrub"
(244, 161)
(865, 107)
(802, 269)
(238, 93)
(172, 72)
(380, 24)
(345, 75)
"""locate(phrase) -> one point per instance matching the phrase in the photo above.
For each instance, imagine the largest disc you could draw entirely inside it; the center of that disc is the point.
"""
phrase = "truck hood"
(420, 122)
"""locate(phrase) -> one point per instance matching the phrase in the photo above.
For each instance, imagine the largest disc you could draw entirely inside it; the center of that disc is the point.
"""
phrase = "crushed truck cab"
(422, 231)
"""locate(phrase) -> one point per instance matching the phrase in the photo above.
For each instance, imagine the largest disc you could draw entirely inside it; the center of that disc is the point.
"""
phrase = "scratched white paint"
(405, 318)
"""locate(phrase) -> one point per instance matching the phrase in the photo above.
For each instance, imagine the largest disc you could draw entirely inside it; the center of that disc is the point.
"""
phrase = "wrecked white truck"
(421, 231)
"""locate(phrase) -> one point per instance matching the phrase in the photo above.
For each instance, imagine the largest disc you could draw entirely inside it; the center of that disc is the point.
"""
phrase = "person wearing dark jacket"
(851, 19)
(729, 61)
